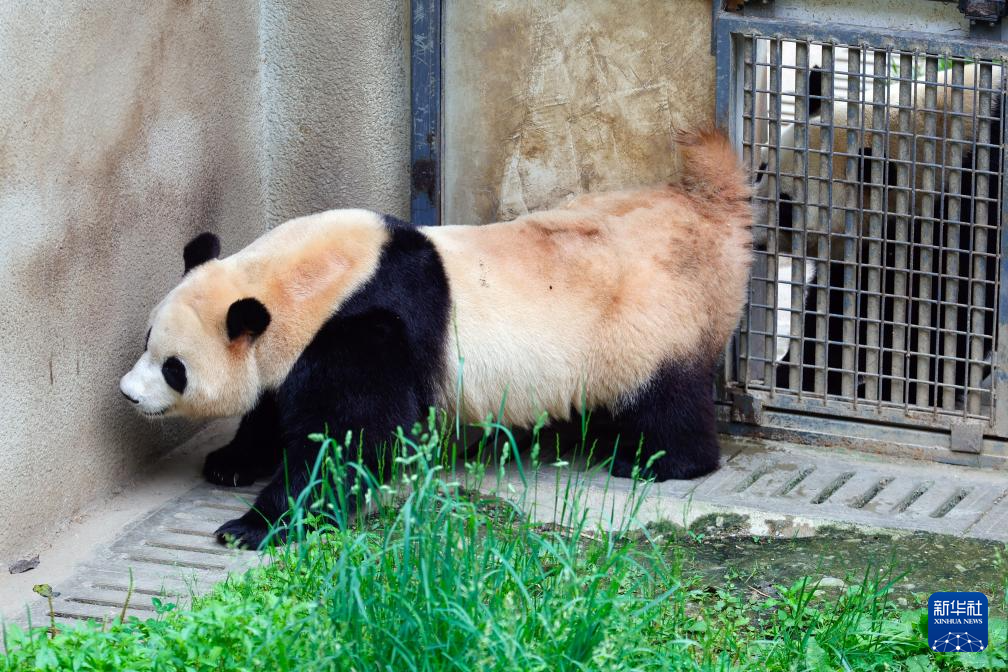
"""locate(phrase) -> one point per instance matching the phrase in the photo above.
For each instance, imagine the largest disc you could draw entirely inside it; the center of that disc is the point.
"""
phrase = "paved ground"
(158, 529)
(170, 554)
(783, 491)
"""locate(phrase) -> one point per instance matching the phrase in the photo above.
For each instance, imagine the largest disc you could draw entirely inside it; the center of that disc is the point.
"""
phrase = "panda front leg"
(672, 414)
(253, 453)
(300, 455)
(356, 377)
(251, 529)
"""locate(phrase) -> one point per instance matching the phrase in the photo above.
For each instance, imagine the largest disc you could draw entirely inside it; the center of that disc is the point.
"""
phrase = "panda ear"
(200, 250)
(247, 317)
(815, 93)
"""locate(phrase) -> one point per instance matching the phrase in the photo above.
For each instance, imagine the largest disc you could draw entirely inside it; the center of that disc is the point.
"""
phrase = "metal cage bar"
(824, 241)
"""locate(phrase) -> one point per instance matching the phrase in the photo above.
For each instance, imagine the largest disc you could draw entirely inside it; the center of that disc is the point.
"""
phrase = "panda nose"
(132, 400)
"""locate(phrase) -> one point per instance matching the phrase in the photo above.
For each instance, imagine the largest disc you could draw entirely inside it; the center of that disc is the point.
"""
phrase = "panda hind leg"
(253, 453)
(672, 415)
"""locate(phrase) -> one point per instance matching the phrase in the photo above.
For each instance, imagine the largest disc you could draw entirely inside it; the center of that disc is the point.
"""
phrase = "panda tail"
(711, 168)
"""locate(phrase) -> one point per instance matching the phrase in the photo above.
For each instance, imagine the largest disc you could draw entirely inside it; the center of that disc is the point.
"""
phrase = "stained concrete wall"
(547, 99)
(126, 130)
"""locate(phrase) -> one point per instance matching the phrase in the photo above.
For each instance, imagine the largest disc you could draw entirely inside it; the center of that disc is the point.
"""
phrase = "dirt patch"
(920, 563)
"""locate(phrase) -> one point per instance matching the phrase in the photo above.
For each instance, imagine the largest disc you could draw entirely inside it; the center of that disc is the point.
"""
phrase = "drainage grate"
(859, 490)
(786, 489)
(172, 554)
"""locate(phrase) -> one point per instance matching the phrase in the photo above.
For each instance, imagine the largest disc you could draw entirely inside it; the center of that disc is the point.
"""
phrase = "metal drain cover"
(172, 554)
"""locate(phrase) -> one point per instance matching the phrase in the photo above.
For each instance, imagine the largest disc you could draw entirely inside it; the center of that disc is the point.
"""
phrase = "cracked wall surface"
(547, 99)
(123, 134)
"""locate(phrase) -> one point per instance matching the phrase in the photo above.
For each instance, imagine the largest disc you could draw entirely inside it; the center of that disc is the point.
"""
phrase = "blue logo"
(957, 622)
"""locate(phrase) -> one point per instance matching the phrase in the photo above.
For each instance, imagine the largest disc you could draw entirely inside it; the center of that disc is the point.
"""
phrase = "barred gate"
(876, 308)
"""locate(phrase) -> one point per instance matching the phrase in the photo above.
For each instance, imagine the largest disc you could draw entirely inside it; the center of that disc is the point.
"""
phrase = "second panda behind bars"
(913, 229)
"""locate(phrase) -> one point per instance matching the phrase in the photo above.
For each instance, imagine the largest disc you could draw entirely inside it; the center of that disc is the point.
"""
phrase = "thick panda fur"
(618, 303)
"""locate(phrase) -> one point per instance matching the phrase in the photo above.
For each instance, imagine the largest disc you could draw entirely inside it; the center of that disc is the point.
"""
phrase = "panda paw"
(225, 467)
(247, 532)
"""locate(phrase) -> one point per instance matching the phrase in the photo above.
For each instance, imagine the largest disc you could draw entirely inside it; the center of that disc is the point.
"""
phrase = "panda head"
(765, 201)
(198, 358)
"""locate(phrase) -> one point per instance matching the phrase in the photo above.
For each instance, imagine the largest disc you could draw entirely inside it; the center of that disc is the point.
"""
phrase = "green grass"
(438, 577)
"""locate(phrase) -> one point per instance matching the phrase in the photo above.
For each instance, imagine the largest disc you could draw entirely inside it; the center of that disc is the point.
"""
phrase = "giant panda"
(882, 172)
(616, 302)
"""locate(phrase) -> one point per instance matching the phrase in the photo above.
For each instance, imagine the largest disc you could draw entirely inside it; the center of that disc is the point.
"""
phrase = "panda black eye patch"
(174, 374)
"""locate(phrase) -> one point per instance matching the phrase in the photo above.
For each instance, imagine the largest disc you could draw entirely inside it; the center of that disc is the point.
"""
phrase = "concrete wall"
(335, 87)
(123, 132)
(547, 99)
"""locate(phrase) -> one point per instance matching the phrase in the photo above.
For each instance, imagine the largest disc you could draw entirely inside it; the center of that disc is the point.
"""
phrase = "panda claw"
(220, 469)
(233, 479)
(247, 532)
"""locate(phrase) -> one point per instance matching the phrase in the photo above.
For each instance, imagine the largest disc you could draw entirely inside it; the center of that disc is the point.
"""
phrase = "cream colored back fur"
(589, 300)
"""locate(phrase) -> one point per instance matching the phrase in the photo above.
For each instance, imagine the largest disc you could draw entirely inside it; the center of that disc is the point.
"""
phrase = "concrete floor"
(161, 528)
